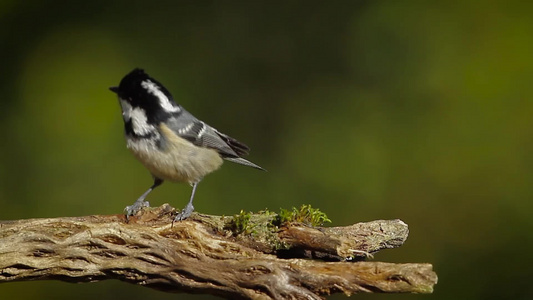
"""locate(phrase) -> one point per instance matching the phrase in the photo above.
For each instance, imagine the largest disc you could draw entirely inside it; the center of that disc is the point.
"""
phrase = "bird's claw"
(185, 213)
(133, 209)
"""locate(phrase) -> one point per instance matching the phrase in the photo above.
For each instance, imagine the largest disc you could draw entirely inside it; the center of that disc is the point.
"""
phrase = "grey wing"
(202, 135)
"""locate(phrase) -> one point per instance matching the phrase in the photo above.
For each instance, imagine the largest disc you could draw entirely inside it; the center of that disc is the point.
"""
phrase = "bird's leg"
(187, 211)
(140, 203)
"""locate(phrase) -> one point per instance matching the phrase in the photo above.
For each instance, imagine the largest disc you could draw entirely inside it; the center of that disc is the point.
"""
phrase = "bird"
(168, 140)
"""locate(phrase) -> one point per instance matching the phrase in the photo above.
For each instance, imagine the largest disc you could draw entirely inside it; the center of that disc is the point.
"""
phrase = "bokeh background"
(418, 110)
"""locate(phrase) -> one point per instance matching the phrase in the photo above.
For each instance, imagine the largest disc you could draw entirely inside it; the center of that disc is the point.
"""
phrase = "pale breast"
(179, 161)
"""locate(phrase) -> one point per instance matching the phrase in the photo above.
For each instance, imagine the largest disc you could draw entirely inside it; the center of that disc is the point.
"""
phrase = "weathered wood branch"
(203, 255)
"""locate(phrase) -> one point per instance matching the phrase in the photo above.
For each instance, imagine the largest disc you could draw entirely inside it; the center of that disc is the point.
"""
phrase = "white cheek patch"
(166, 103)
(126, 109)
(140, 122)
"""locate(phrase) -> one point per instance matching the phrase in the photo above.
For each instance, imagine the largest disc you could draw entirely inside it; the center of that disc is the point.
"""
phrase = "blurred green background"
(418, 110)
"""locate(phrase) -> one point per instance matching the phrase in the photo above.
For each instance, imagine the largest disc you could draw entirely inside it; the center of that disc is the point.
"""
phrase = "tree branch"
(205, 254)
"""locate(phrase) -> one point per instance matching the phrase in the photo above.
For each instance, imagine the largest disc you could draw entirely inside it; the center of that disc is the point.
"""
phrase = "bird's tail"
(242, 161)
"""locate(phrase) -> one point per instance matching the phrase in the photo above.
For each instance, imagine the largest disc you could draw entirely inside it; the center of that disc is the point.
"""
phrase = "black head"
(141, 91)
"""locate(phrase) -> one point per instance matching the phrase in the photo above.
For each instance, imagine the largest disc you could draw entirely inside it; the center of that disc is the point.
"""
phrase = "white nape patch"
(139, 122)
(166, 103)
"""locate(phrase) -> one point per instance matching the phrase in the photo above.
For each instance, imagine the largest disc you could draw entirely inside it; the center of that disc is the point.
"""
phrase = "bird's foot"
(185, 213)
(135, 208)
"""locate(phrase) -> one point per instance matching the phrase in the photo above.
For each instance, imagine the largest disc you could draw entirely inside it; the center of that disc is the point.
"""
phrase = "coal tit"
(169, 141)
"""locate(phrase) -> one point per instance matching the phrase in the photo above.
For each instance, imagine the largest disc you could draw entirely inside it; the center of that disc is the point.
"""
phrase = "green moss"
(262, 228)
(240, 223)
(305, 214)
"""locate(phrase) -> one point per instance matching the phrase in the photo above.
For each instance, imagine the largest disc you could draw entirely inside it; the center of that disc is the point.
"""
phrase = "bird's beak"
(114, 89)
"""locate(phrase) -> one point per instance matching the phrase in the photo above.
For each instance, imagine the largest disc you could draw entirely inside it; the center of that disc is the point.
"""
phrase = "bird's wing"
(186, 126)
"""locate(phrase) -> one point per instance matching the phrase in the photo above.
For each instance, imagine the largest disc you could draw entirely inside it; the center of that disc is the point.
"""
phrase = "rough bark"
(204, 255)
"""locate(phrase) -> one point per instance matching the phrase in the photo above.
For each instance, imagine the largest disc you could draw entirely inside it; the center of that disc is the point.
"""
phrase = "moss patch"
(305, 215)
